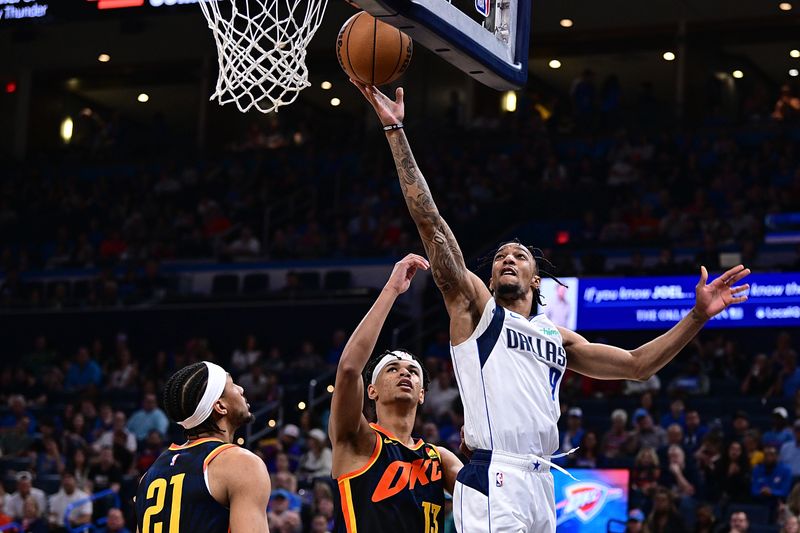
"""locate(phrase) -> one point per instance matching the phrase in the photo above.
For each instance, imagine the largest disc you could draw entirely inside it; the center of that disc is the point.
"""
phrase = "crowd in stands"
(281, 195)
(714, 433)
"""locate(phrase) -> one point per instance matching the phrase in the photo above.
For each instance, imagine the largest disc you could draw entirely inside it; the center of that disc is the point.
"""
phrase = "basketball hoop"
(261, 46)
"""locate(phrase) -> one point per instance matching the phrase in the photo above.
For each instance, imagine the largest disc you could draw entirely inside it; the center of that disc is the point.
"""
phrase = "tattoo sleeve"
(440, 244)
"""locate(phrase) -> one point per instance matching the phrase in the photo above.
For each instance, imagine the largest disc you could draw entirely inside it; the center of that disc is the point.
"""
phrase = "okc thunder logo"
(585, 500)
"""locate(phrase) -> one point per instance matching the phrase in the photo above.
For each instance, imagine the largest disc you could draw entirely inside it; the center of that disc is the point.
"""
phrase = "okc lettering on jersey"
(410, 474)
(552, 353)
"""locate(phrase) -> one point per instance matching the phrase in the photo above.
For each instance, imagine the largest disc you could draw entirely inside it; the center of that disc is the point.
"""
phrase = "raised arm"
(347, 421)
(465, 295)
(601, 361)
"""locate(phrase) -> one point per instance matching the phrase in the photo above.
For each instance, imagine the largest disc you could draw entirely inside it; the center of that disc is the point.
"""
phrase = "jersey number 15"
(158, 490)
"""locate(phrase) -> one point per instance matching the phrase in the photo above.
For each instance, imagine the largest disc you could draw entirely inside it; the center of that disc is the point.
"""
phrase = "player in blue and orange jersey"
(208, 484)
(388, 481)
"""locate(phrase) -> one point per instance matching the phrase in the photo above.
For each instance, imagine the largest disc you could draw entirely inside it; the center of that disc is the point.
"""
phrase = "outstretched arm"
(347, 421)
(464, 293)
(601, 361)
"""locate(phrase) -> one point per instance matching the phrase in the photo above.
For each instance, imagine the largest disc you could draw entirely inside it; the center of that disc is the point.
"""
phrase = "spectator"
(791, 525)
(15, 503)
(124, 372)
(681, 481)
(651, 384)
(635, 521)
(243, 359)
(255, 383)
(647, 434)
(752, 447)
(84, 373)
(245, 245)
(106, 474)
(787, 108)
(79, 466)
(16, 440)
(440, 394)
(49, 460)
(117, 435)
(693, 432)
(740, 425)
(69, 494)
(664, 518)
(730, 479)
(645, 473)
(281, 518)
(282, 476)
(615, 441)
(115, 522)
(586, 456)
(319, 524)
(152, 448)
(149, 417)
(771, 480)
(317, 461)
(738, 523)
(780, 432)
(18, 410)
(790, 452)
(760, 378)
(31, 520)
(676, 415)
(788, 381)
(705, 521)
(571, 438)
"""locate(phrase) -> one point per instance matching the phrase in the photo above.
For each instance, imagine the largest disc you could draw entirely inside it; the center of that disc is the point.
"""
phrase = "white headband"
(217, 377)
(397, 355)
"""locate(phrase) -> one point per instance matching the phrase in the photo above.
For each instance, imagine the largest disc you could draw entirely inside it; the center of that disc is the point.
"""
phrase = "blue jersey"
(173, 495)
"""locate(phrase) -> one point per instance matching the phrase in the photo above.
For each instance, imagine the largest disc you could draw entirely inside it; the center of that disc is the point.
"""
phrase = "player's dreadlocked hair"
(369, 405)
(539, 259)
(182, 393)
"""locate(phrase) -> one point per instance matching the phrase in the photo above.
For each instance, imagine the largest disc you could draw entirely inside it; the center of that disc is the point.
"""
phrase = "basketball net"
(261, 46)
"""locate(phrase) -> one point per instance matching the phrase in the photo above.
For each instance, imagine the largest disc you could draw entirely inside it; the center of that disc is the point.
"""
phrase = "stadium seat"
(225, 284)
(338, 279)
(763, 528)
(309, 280)
(49, 484)
(80, 289)
(255, 283)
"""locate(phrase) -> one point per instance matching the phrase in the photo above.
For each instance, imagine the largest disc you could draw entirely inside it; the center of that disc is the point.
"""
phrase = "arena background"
(164, 232)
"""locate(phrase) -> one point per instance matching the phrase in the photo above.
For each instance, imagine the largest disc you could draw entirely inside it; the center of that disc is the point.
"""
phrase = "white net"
(262, 49)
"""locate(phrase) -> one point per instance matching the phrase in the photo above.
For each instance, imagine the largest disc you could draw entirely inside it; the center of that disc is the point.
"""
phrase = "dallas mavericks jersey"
(399, 490)
(173, 495)
(508, 374)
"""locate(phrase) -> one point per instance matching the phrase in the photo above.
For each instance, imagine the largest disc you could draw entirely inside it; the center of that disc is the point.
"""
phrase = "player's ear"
(421, 396)
(220, 407)
(372, 392)
(536, 282)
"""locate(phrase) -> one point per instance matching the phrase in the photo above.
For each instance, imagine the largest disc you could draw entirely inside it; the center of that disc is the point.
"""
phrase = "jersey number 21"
(158, 490)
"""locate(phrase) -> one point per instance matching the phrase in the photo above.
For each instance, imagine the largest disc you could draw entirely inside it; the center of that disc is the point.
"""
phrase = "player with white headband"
(195, 487)
(388, 481)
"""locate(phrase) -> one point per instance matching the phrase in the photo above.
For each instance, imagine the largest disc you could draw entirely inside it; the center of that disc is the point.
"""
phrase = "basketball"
(371, 51)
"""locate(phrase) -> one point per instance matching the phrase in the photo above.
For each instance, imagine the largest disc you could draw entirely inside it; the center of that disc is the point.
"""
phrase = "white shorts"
(498, 492)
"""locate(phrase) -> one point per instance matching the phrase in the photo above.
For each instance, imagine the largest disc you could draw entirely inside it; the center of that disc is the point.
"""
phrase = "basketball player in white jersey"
(509, 364)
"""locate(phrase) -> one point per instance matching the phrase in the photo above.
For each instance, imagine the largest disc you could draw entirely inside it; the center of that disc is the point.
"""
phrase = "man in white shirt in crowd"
(67, 495)
(119, 430)
(15, 503)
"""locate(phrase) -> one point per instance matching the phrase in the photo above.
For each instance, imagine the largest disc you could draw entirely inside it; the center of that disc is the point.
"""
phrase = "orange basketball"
(371, 51)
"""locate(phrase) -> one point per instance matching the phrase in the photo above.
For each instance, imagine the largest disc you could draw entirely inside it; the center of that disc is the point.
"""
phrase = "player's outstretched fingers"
(739, 275)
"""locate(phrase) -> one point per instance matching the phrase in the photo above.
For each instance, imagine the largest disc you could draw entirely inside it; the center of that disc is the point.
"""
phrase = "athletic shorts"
(498, 492)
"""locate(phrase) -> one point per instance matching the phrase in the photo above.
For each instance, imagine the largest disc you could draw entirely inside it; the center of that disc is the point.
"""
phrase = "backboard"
(488, 39)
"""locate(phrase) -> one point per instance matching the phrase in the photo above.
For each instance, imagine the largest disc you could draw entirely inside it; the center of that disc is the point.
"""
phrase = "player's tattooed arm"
(447, 261)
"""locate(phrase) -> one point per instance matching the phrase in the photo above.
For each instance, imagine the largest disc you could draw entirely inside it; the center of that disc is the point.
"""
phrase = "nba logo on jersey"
(498, 479)
(174, 458)
(483, 7)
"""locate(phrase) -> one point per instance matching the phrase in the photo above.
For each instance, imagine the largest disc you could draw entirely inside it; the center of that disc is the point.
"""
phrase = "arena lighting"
(566, 23)
(104, 58)
(738, 74)
(785, 6)
(240, 441)
(335, 102)
(554, 63)
(330, 389)
(301, 405)
(794, 72)
(66, 130)
(143, 97)
(669, 56)
(509, 101)
(11, 87)
(272, 423)
(794, 53)
(326, 85)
